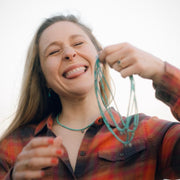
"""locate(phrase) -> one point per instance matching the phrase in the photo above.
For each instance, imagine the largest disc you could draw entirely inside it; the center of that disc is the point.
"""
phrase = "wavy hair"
(34, 103)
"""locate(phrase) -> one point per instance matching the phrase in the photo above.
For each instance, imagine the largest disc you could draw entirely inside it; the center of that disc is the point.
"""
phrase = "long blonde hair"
(34, 103)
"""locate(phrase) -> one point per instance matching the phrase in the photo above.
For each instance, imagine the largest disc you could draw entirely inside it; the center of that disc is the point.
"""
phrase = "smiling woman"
(58, 131)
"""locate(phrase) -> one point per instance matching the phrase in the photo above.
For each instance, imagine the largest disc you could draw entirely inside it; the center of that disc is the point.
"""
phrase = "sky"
(151, 25)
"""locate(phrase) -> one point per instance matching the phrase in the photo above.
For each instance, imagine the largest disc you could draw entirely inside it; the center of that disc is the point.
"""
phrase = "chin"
(83, 90)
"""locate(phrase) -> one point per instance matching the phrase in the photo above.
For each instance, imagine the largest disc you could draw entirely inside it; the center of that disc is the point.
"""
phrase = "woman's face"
(67, 58)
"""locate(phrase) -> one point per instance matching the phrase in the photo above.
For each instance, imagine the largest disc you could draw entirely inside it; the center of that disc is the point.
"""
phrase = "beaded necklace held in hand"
(125, 129)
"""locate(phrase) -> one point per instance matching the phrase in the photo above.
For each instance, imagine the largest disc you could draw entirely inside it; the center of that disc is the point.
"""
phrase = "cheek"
(90, 53)
(93, 51)
(89, 50)
(49, 68)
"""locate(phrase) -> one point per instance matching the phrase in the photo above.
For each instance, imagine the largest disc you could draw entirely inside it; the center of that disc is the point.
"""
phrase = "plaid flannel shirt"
(154, 152)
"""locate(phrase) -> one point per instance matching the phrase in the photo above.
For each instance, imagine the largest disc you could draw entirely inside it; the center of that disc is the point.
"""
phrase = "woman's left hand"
(129, 60)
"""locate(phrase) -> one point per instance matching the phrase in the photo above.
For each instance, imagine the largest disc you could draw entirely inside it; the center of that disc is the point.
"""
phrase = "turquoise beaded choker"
(82, 129)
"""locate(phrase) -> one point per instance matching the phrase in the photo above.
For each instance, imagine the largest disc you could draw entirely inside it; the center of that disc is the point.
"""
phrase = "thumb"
(58, 141)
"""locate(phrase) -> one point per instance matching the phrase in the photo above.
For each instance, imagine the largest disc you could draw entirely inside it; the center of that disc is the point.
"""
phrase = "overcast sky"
(152, 25)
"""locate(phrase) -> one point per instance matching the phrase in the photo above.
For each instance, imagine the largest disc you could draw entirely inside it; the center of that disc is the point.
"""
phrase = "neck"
(79, 112)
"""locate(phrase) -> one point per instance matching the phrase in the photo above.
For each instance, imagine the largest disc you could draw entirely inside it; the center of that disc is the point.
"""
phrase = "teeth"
(75, 70)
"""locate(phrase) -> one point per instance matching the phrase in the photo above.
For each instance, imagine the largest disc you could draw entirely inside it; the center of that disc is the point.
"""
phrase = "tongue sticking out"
(75, 72)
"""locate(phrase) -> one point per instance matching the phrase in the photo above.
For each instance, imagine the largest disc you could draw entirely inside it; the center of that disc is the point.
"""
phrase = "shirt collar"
(48, 122)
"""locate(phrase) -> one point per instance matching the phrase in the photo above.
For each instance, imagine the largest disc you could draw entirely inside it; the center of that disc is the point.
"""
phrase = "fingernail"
(59, 152)
(50, 140)
(54, 160)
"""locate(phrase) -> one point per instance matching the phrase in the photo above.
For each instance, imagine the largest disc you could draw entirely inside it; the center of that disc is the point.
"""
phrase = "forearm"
(168, 89)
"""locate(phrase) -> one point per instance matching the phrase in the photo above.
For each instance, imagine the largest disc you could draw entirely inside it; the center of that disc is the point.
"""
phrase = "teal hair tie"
(132, 106)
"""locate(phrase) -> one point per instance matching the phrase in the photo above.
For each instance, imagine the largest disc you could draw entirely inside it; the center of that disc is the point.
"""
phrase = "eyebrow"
(58, 43)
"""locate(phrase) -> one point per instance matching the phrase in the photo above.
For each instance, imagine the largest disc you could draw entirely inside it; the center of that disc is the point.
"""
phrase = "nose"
(69, 53)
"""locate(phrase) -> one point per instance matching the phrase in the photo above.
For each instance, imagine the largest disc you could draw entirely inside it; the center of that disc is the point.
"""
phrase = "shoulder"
(153, 128)
(154, 123)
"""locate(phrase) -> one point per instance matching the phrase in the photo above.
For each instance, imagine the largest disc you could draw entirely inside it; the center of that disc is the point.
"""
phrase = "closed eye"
(78, 44)
(54, 52)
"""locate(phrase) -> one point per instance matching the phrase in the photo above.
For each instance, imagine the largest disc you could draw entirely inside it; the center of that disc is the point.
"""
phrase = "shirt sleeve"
(5, 170)
(170, 154)
(10, 147)
(168, 90)
(5, 175)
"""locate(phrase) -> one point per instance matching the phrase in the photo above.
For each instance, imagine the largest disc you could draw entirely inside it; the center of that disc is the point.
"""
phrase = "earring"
(49, 93)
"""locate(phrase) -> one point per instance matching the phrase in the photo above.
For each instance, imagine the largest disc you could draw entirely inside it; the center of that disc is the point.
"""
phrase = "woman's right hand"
(39, 153)
(129, 60)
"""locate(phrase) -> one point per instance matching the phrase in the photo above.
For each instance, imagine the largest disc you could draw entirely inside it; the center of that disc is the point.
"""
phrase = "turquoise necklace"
(82, 129)
(132, 121)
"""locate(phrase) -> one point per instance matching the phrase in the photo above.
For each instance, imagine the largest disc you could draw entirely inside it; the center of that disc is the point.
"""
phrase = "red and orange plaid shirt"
(154, 152)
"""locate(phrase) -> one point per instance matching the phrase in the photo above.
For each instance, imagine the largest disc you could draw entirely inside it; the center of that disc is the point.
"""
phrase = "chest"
(107, 163)
(71, 140)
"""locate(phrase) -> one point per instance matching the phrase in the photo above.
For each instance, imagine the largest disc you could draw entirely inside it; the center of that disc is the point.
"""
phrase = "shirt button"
(121, 154)
(82, 153)
(99, 121)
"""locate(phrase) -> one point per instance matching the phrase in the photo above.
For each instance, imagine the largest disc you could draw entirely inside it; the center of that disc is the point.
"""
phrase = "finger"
(117, 66)
(112, 59)
(58, 141)
(109, 50)
(39, 141)
(121, 64)
(28, 175)
(36, 163)
(125, 51)
(128, 71)
(117, 47)
(49, 151)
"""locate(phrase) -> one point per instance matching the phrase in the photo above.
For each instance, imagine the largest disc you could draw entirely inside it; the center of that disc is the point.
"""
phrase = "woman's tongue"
(75, 72)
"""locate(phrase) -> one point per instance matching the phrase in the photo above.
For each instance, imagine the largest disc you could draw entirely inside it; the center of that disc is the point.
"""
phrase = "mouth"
(74, 72)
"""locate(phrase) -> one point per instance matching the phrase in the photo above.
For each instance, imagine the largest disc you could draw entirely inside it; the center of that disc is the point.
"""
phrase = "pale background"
(152, 25)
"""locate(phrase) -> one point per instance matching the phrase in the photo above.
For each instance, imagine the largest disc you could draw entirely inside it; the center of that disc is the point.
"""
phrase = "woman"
(58, 132)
